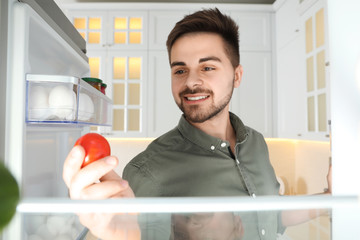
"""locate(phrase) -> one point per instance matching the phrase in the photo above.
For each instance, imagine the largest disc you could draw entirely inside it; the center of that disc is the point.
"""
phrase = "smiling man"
(210, 153)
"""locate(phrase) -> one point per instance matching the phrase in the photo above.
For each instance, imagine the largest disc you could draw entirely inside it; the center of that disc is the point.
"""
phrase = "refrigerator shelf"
(65, 100)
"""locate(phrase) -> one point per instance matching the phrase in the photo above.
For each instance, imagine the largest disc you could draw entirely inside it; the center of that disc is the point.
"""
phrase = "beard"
(200, 114)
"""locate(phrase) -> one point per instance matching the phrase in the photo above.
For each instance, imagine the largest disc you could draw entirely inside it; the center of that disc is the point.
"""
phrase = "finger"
(104, 190)
(73, 164)
(90, 174)
(112, 175)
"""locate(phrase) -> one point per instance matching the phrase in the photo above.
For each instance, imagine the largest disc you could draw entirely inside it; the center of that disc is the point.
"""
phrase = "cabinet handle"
(299, 134)
(327, 64)
(297, 30)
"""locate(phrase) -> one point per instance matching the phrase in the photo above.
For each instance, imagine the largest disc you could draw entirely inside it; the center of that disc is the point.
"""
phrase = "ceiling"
(190, 1)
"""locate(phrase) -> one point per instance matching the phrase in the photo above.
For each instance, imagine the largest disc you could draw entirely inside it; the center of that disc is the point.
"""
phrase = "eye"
(180, 71)
(208, 68)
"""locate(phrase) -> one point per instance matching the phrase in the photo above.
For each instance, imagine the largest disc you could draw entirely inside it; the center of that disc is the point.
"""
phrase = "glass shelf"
(193, 218)
(65, 101)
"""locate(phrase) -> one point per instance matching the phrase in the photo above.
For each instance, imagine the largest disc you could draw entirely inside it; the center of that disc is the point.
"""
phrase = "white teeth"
(196, 98)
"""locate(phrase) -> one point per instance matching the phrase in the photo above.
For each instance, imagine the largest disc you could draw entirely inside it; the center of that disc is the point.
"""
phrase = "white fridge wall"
(35, 154)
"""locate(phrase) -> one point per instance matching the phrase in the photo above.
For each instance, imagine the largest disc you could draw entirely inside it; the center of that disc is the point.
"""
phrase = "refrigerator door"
(35, 153)
(32, 151)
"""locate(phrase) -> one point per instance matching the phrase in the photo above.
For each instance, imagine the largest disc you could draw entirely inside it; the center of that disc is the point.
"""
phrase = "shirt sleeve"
(141, 181)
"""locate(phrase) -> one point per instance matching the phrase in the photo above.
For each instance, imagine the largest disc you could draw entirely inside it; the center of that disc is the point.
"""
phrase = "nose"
(193, 80)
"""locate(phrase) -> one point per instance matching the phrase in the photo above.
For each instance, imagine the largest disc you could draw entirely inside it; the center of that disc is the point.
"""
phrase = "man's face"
(202, 76)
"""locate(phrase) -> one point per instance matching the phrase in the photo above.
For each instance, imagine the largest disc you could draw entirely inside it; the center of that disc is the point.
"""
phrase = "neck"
(219, 126)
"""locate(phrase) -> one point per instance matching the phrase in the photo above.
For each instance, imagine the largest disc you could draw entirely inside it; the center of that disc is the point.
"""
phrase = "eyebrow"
(211, 58)
(173, 64)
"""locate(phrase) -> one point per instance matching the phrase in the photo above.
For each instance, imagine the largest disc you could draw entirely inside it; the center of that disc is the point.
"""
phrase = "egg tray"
(55, 99)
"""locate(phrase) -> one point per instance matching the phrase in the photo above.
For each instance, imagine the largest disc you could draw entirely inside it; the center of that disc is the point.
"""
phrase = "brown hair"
(213, 21)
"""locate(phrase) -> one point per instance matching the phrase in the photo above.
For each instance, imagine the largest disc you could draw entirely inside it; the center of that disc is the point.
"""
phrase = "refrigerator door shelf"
(56, 99)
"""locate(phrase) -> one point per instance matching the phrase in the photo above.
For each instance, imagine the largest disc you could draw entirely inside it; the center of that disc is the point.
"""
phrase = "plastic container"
(103, 88)
(95, 82)
(65, 99)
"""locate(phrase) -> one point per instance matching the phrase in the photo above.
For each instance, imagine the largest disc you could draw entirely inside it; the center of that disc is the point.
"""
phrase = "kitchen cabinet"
(254, 30)
(252, 100)
(291, 120)
(117, 50)
(104, 29)
(287, 22)
(163, 113)
(156, 112)
(161, 22)
(302, 70)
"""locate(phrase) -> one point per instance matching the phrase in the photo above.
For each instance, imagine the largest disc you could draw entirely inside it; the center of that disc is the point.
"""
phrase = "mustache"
(194, 91)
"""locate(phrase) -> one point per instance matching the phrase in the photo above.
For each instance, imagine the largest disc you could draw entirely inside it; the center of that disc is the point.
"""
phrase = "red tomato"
(96, 147)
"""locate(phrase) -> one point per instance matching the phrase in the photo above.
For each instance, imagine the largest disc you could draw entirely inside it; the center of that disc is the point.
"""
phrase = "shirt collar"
(200, 138)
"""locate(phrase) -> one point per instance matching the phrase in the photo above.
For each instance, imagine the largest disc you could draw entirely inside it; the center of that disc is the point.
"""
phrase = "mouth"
(195, 99)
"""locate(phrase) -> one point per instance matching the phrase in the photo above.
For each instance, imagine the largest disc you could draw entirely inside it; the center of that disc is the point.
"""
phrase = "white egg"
(86, 107)
(38, 103)
(38, 97)
(62, 101)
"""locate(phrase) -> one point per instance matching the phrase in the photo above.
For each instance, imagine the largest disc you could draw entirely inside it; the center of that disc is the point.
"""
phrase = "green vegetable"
(9, 196)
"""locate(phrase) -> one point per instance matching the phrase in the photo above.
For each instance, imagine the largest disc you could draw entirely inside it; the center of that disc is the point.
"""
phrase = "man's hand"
(95, 181)
(99, 181)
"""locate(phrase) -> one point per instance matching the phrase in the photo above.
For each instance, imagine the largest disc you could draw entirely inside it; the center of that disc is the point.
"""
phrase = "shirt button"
(212, 147)
(223, 144)
(263, 232)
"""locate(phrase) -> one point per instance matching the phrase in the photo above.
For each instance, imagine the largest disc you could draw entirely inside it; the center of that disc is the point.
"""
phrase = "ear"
(238, 76)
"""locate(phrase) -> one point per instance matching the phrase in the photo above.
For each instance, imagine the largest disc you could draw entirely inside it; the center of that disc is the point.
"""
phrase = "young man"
(210, 153)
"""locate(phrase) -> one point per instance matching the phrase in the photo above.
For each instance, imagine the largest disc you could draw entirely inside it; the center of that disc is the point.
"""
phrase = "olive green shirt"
(186, 162)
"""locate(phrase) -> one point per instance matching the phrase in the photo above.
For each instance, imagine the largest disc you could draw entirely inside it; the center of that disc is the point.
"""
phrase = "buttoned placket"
(250, 187)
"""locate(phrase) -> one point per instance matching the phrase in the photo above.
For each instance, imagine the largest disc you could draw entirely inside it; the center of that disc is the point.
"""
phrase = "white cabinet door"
(92, 26)
(314, 25)
(160, 25)
(252, 101)
(287, 21)
(127, 30)
(163, 113)
(127, 77)
(255, 30)
(291, 120)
